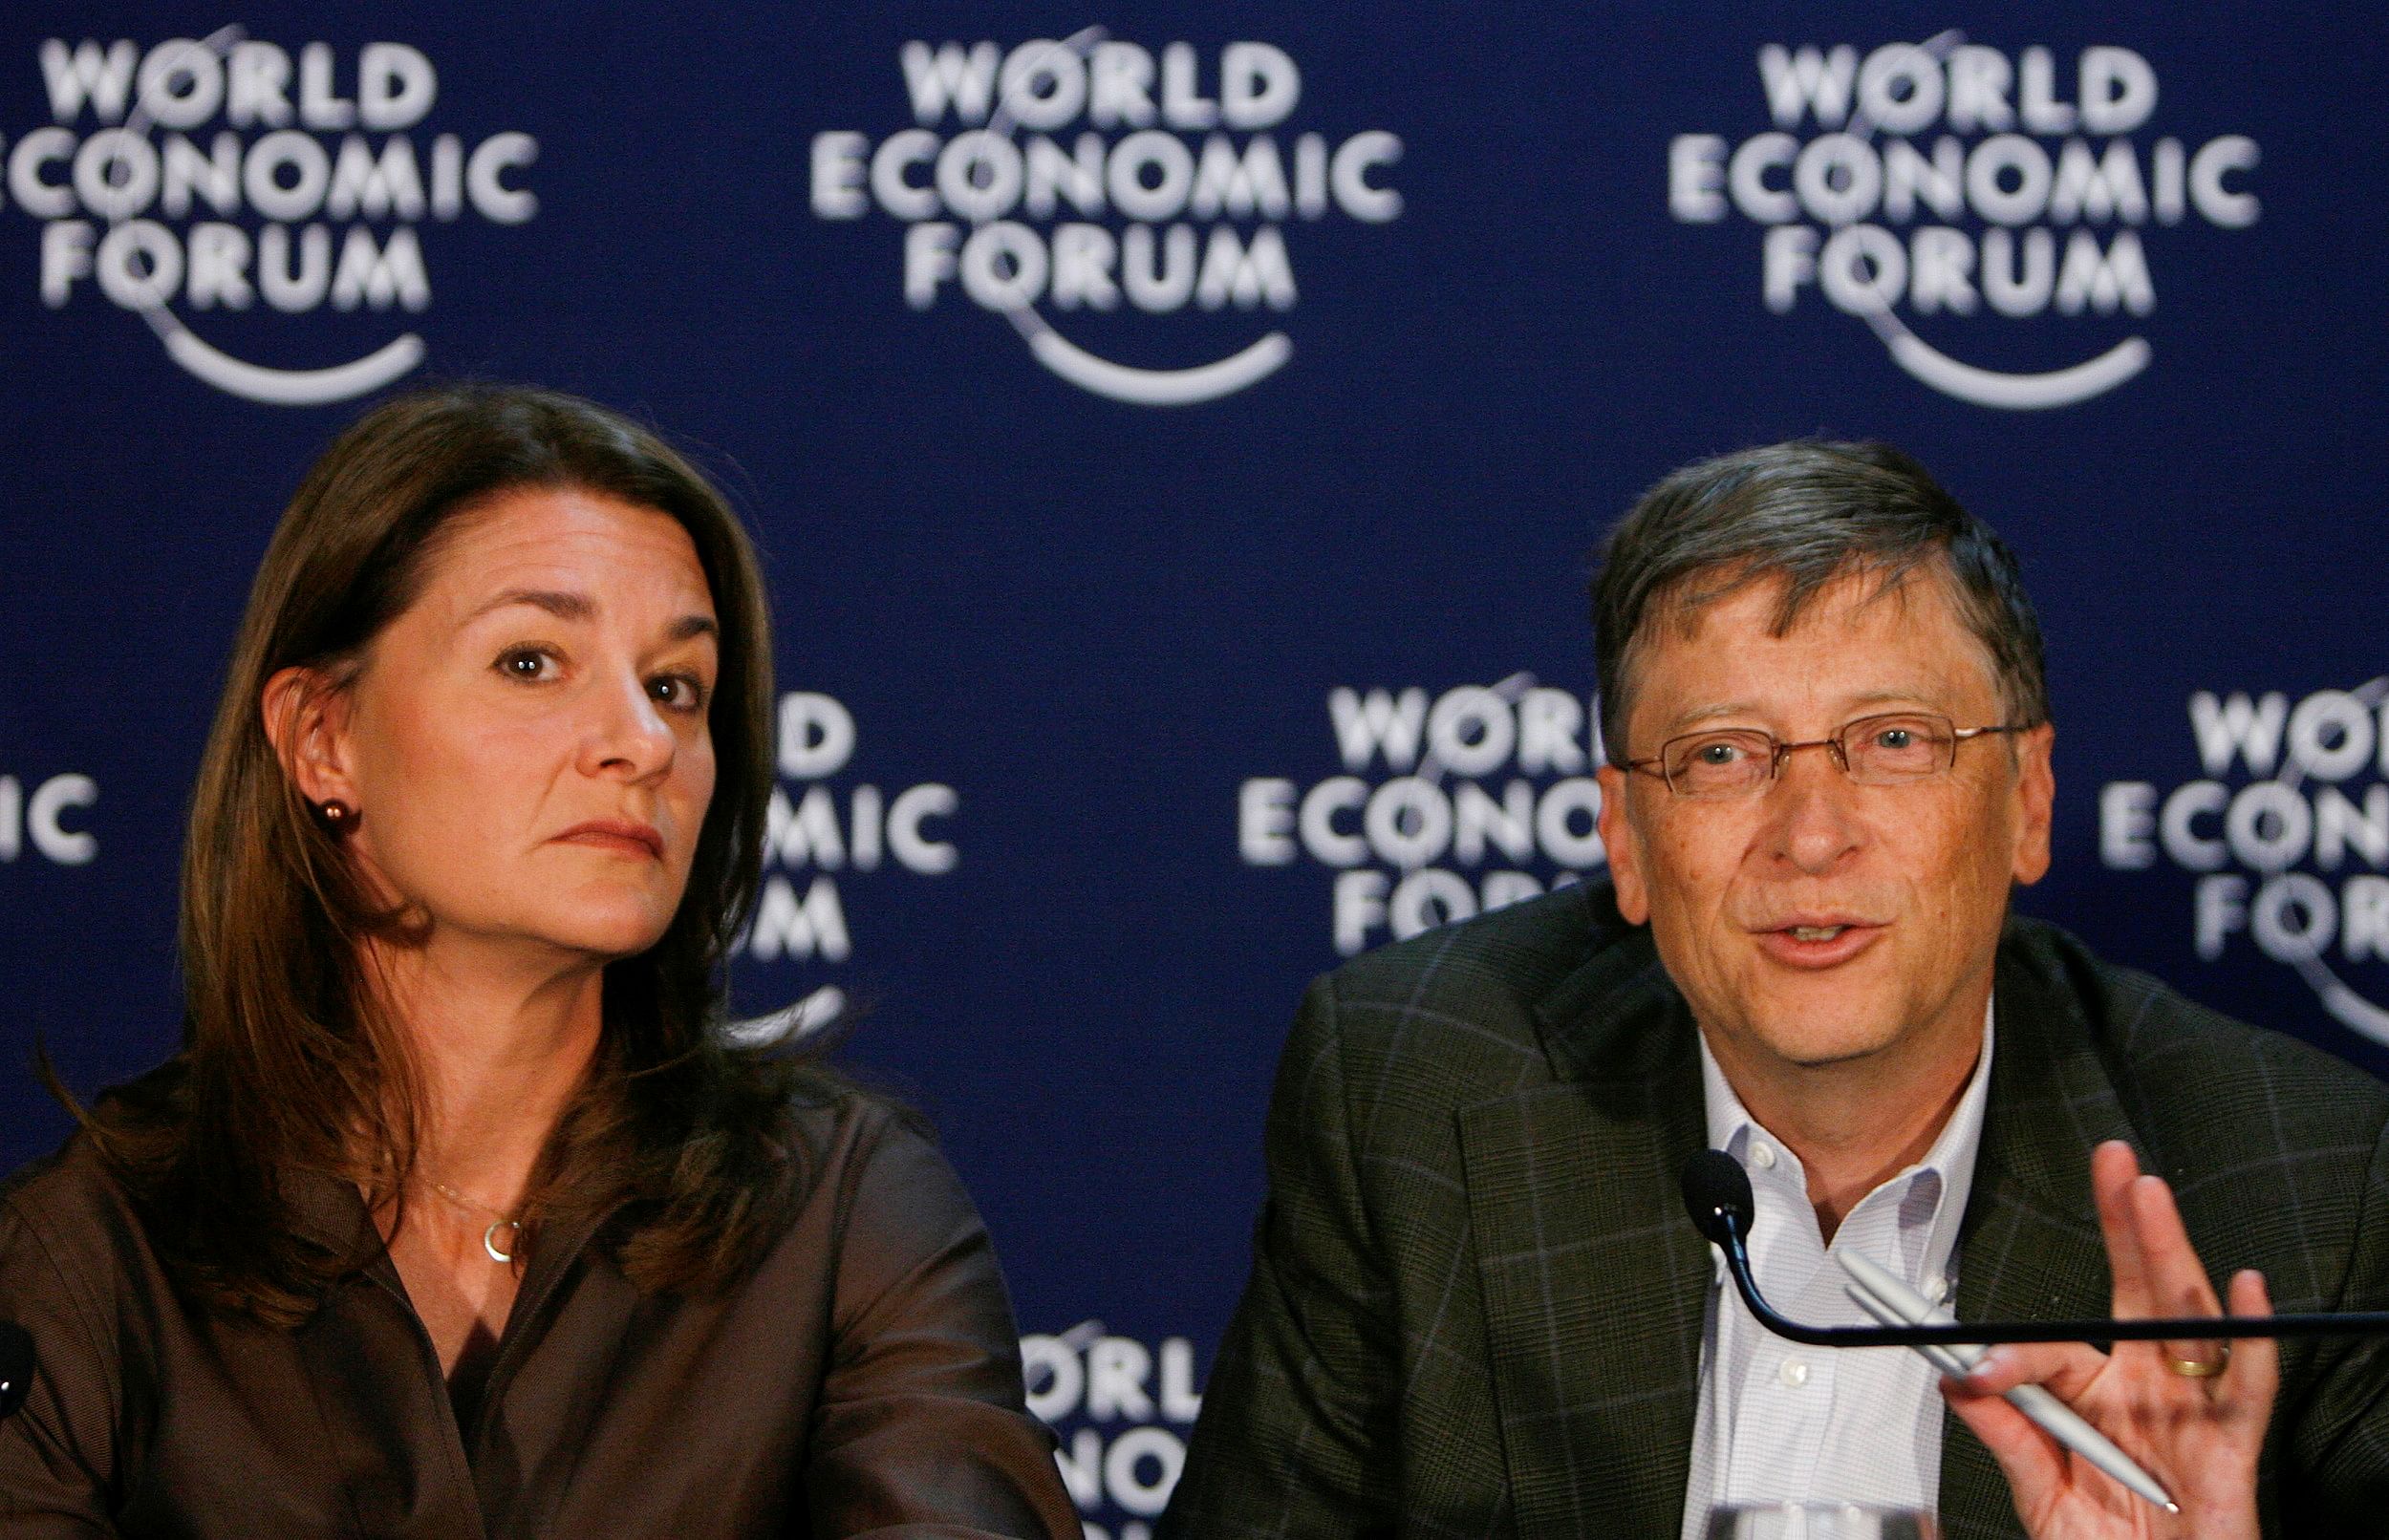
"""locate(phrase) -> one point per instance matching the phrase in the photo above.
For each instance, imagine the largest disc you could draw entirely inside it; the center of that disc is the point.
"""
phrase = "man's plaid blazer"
(1476, 1304)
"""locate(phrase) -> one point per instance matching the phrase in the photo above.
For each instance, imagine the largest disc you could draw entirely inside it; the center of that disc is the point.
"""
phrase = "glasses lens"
(1717, 764)
(1906, 747)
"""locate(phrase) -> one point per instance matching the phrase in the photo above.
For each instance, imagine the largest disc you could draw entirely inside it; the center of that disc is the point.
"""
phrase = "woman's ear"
(306, 719)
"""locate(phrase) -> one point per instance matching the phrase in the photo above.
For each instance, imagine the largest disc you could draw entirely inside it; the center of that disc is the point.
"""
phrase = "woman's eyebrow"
(556, 602)
(569, 606)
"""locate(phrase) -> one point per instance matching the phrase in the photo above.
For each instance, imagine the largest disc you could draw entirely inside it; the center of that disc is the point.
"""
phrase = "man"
(1476, 1305)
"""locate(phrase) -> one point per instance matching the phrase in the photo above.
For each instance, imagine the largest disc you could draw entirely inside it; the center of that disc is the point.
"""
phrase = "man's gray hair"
(1805, 513)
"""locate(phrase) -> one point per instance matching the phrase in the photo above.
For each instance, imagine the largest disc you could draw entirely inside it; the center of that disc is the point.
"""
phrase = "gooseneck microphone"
(16, 1365)
(1717, 1195)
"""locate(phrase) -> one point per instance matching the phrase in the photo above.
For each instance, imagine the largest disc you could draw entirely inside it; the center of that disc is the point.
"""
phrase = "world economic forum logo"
(2286, 833)
(223, 173)
(824, 825)
(1932, 187)
(1443, 808)
(1092, 175)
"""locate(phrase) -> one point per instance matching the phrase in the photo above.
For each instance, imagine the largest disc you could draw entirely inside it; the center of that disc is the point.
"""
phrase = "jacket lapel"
(1594, 1281)
(2029, 1245)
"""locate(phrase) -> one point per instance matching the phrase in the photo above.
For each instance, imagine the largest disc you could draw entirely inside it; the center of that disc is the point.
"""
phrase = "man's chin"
(1815, 1035)
(1809, 1053)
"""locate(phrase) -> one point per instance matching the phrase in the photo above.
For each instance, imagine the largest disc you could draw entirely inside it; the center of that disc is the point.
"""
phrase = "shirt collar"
(1951, 1158)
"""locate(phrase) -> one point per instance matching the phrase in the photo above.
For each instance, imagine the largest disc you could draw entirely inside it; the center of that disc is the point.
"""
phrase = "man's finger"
(2114, 1168)
(2034, 1463)
(2177, 1280)
(2065, 1368)
(2199, 1357)
(2175, 1275)
(2255, 1374)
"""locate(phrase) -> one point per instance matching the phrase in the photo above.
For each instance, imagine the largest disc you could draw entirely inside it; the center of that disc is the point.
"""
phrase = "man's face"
(1817, 921)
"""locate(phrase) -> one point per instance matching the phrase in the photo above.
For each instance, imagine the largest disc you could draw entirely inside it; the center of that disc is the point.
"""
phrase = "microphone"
(16, 1365)
(1717, 1195)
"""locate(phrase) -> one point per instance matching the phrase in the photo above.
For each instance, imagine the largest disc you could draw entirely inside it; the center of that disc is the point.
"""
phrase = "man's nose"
(1814, 824)
(628, 735)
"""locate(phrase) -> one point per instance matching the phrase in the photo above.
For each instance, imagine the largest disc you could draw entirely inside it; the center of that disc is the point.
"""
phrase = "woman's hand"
(2197, 1434)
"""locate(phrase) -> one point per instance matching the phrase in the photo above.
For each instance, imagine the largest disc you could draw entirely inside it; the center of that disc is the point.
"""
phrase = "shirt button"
(1764, 1156)
(1794, 1373)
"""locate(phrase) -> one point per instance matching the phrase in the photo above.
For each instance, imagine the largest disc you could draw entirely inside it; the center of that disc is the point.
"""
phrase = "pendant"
(489, 1240)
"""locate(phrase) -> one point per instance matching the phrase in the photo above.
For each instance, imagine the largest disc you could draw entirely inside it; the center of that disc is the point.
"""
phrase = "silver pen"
(1887, 1296)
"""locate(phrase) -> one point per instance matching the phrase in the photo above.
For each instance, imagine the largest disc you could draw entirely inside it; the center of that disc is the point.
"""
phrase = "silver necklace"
(488, 1237)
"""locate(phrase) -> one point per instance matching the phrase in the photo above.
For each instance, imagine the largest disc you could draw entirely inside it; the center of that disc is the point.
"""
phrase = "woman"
(456, 1215)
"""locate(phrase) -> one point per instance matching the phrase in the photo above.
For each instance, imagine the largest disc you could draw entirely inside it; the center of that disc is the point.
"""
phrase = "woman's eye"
(681, 691)
(525, 663)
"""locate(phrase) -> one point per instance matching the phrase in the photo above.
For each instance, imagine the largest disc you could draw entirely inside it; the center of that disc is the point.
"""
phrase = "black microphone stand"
(1717, 1193)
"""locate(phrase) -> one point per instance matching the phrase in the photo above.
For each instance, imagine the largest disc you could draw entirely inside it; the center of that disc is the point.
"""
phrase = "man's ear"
(1617, 838)
(2036, 795)
(306, 719)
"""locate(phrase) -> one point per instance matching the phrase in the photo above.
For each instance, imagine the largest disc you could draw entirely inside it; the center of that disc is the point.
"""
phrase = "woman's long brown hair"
(289, 1070)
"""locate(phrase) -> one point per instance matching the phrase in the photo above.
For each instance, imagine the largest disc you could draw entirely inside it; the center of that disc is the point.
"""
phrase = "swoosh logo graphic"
(2352, 1008)
(1160, 387)
(2009, 393)
(2020, 392)
(293, 387)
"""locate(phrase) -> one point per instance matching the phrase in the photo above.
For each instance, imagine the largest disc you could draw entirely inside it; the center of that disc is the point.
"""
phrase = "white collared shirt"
(1780, 1421)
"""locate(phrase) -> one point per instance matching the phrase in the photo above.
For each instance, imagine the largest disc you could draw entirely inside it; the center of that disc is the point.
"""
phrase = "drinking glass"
(1820, 1521)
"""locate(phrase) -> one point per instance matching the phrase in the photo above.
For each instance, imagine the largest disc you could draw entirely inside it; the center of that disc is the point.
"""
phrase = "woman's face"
(526, 744)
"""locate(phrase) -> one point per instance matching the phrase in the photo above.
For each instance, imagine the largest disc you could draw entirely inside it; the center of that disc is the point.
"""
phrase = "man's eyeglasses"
(1888, 750)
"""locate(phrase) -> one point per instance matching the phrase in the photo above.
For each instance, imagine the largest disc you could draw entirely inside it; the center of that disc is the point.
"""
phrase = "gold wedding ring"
(2201, 1368)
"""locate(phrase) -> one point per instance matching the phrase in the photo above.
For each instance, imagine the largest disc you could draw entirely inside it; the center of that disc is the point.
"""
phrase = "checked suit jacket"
(1476, 1305)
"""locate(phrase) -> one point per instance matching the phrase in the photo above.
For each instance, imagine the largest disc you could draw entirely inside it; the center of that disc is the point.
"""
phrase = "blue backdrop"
(1176, 433)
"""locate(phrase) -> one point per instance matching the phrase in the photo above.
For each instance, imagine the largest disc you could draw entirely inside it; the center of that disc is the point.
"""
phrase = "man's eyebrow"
(1892, 697)
(1857, 705)
(1707, 713)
